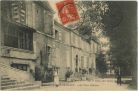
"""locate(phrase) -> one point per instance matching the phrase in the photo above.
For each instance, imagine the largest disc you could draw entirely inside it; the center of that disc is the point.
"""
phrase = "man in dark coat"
(118, 76)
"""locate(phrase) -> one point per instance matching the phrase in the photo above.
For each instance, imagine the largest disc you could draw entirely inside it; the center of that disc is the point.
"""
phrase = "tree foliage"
(120, 25)
(101, 65)
(91, 13)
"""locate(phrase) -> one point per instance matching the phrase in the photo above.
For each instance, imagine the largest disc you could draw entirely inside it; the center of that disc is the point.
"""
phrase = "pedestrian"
(56, 78)
(119, 76)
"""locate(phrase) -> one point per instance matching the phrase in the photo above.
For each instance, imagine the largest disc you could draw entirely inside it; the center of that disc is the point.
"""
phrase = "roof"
(68, 29)
(95, 40)
(60, 25)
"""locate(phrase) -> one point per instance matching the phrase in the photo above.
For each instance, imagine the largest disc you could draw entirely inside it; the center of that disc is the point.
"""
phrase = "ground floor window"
(20, 66)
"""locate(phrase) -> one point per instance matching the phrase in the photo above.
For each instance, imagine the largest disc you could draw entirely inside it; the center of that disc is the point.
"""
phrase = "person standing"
(119, 76)
(56, 78)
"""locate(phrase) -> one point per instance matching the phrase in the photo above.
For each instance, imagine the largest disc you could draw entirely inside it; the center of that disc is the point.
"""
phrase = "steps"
(10, 84)
(15, 79)
(6, 69)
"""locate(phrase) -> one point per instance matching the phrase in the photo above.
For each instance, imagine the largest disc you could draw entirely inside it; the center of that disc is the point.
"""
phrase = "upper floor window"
(18, 9)
(56, 35)
(48, 23)
(18, 37)
(64, 36)
(60, 36)
(39, 17)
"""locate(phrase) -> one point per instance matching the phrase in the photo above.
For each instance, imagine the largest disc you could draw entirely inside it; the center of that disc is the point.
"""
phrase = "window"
(82, 61)
(60, 36)
(20, 66)
(48, 23)
(77, 63)
(39, 18)
(63, 36)
(73, 38)
(10, 38)
(45, 55)
(56, 34)
(48, 50)
(18, 11)
(18, 37)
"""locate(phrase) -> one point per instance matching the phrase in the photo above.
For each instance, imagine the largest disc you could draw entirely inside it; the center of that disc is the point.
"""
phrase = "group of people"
(48, 76)
(69, 73)
(56, 77)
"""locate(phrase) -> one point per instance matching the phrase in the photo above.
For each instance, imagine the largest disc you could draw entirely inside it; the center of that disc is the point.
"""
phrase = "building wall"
(10, 52)
(53, 44)
(62, 49)
(77, 46)
(10, 55)
(44, 46)
(33, 20)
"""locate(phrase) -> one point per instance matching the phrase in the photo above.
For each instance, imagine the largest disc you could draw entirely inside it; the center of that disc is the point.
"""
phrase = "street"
(99, 84)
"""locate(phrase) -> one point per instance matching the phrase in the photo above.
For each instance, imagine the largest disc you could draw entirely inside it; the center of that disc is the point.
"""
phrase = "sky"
(53, 5)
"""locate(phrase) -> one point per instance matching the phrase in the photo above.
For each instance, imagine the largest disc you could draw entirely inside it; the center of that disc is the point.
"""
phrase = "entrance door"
(45, 71)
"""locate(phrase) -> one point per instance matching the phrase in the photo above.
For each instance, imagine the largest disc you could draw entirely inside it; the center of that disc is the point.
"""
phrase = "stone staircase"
(11, 84)
(15, 79)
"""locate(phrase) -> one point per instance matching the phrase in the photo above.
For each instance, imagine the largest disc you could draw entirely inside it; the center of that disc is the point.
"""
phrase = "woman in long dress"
(56, 78)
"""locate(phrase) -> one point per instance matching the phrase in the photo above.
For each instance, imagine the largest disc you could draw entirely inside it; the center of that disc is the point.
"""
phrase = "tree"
(91, 13)
(120, 25)
(101, 63)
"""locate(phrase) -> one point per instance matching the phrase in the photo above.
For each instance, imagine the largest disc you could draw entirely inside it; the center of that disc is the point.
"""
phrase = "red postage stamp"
(67, 11)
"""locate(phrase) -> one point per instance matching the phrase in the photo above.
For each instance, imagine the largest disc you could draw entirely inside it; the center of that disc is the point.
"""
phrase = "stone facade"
(45, 43)
(72, 51)
(16, 50)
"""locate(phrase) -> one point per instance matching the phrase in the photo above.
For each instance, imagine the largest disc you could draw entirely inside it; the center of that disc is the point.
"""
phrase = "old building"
(62, 48)
(16, 38)
(26, 33)
(73, 51)
(32, 43)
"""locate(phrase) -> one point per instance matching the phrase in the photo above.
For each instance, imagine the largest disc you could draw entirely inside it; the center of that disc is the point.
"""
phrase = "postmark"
(67, 11)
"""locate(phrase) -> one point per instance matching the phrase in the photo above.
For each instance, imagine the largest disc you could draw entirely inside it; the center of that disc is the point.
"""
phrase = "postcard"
(68, 45)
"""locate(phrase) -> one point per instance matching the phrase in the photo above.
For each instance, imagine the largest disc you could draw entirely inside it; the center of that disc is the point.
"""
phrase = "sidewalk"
(97, 84)
(86, 86)
(96, 80)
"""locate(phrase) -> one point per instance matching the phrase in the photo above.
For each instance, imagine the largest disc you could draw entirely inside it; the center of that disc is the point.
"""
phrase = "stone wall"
(65, 46)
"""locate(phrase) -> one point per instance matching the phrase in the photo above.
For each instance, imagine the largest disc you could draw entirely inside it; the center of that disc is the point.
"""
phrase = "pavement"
(96, 85)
